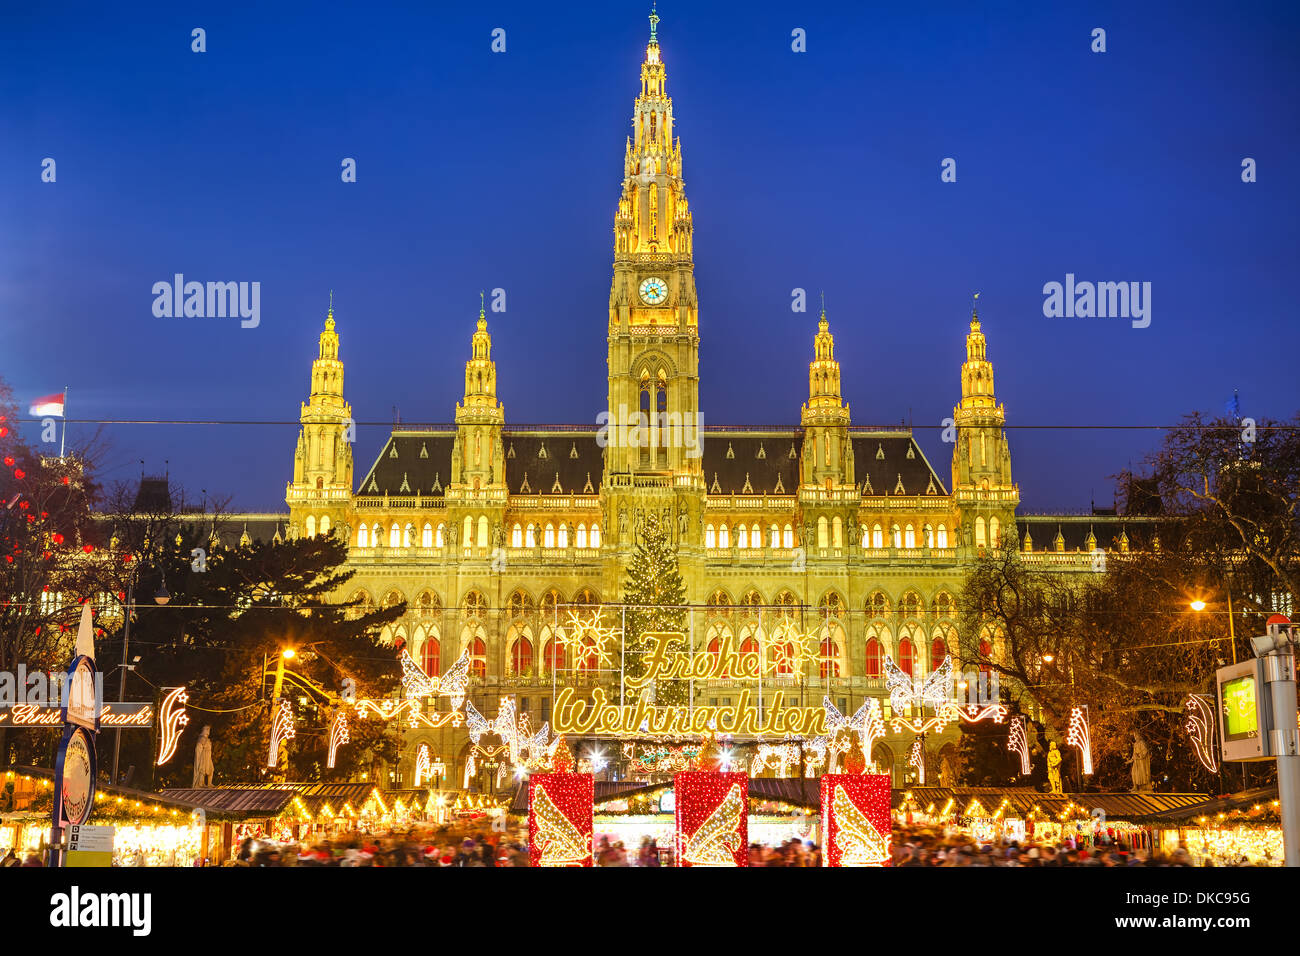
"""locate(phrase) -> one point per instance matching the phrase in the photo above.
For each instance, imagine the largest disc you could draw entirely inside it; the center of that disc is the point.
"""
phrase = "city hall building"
(491, 535)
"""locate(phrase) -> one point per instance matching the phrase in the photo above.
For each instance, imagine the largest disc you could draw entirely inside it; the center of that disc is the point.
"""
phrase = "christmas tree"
(656, 599)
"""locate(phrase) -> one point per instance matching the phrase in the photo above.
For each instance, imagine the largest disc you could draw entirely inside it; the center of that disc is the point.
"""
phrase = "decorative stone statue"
(498, 536)
(203, 759)
(946, 775)
(1141, 761)
(1054, 769)
(682, 516)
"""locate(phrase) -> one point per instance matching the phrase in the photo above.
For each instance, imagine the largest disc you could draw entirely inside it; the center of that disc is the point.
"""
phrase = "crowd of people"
(468, 846)
(442, 846)
(928, 847)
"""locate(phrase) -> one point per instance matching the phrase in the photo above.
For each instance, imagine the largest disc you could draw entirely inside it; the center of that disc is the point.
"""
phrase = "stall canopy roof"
(1242, 800)
(1021, 800)
(166, 798)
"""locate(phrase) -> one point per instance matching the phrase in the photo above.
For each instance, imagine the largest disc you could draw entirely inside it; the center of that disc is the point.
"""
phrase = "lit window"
(548, 537)
(517, 537)
(595, 535)
(439, 540)
(580, 539)
(363, 537)
(929, 536)
(426, 536)
(742, 537)
(394, 536)
(311, 526)
(981, 533)
(787, 537)
(837, 533)
(942, 537)
(756, 537)
(909, 537)
(896, 535)
(482, 531)
(775, 537)
(564, 536)
(710, 537)
(723, 537)
(877, 537)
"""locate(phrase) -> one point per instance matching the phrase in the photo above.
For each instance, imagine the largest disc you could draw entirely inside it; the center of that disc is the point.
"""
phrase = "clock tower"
(654, 443)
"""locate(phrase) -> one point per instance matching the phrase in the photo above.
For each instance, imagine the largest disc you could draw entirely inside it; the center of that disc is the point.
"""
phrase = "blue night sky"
(480, 170)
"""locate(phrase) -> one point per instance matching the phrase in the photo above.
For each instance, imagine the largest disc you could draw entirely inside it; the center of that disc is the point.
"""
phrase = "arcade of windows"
(474, 534)
(830, 534)
(917, 637)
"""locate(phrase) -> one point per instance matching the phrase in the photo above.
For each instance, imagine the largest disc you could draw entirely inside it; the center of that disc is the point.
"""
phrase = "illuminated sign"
(1244, 711)
(571, 715)
(127, 714)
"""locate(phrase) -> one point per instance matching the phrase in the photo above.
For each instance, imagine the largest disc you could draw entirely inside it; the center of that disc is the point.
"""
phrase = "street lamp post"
(161, 598)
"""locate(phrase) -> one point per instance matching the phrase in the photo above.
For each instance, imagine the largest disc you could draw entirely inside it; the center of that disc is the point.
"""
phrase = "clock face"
(654, 291)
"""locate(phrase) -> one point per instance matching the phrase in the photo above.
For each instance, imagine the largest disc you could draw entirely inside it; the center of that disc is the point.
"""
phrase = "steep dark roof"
(411, 463)
(419, 462)
(571, 458)
(883, 460)
(762, 459)
(1075, 529)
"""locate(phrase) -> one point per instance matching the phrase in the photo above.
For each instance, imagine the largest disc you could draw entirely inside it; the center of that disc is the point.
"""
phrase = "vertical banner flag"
(712, 818)
(560, 807)
(855, 819)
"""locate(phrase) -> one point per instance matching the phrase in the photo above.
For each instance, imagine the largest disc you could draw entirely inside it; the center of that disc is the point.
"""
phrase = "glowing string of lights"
(1200, 727)
(1018, 743)
(1079, 736)
(281, 730)
(171, 718)
(338, 735)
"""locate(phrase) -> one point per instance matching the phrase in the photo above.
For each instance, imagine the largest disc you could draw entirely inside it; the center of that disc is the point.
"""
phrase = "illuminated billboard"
(1244, 710)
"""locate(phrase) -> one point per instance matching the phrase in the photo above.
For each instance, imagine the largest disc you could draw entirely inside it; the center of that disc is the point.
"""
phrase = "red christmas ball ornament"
(9, 559)
(121, 595)
(67, 480)
(4, 430)
(9, 461)
(126, 559)
(44, 515)
(88, 548)
(19, 474)
(57, 538)
(48, 555)
(24, 505)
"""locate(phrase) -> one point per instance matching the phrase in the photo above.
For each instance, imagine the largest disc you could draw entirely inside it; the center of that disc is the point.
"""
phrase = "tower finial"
(654, 22)
(481, 311)
(974, 312)
(329, 319)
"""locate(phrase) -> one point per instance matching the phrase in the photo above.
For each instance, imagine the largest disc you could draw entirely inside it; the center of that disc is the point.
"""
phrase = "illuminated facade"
(488, 532)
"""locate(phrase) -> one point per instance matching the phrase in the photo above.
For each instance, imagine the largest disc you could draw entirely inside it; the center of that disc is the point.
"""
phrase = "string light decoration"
(560, 819)
(423, 765)
(1018, 743)
(1200, 727)
(171, 718)
(793, 650)
(917, 759)
(855, 819)
(475, 723)
(1079, 736)
(415, 682)
(974, 713)
(338, 735)
(412, 709)
(455, 679)
(712, 820)
(281, 729)
(904, 692)
(586, 634)
(780, 756)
